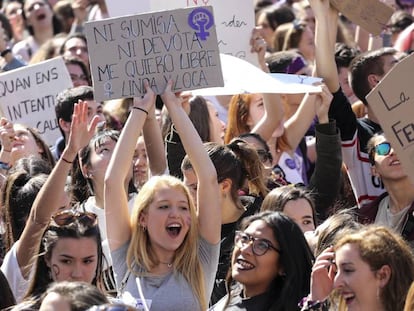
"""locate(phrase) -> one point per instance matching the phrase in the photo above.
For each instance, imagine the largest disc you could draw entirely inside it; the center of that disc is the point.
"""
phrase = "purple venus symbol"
(200, 19)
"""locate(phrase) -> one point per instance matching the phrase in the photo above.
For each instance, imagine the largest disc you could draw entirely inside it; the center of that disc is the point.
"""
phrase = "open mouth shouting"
(174, 229)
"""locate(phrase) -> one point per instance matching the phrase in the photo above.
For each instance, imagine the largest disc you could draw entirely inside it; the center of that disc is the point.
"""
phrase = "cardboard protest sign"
(392, 101)
(242, 77)
(27, 96)
(180, 45)
(234, 23)
(372, 15)
(234, 20)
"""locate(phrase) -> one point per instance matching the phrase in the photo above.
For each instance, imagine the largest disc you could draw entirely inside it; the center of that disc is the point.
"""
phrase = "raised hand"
(258, 45)
(323, 273)
(7, 134)
(147, 102)
(322, 104)
(79, 8)
(80, 131)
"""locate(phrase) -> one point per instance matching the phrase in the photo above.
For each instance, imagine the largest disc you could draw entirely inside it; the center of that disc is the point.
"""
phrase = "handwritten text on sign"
(127, 51)
(27, 96)
(234, 23)
(392, 101)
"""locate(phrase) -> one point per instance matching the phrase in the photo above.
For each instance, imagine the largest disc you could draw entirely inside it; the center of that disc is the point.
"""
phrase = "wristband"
(67, 161)
(5, 52)
(141, 109)
(311, 305)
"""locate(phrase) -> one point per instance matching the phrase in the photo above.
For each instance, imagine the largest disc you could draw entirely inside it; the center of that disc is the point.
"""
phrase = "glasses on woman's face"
(259, 246)
(383, 149)
(67, 217)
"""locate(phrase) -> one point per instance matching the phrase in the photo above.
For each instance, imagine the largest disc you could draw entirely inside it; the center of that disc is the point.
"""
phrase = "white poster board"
(242, 77)
(125, 52)
(28, 94)
(392, 101)
(234, 20)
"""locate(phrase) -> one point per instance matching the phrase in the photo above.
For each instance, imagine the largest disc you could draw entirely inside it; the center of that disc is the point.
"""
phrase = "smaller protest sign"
(27, 96)
(392, 101)
(372, 15)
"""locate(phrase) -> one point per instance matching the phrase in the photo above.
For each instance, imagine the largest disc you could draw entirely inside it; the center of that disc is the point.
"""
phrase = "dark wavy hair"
(20, 189)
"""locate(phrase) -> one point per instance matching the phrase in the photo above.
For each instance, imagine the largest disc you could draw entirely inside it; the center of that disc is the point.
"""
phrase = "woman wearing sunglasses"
(270, 265)
(165, 255)
(394, 208)
(62, 240)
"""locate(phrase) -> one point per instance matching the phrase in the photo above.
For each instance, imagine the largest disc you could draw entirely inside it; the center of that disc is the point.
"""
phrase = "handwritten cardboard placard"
(256, 81)
(234, 20)
(234, 23)
(28, 94)
(155, 47)
(392, 101)
(372, 15)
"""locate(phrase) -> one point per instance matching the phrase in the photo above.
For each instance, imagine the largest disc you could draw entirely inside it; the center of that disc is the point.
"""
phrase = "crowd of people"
(249, 202)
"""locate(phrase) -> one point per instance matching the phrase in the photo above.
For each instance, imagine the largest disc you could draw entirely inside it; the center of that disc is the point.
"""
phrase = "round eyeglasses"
(259, 246)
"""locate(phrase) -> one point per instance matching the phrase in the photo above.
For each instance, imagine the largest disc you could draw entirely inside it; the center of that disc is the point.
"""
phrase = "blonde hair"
(186, 260)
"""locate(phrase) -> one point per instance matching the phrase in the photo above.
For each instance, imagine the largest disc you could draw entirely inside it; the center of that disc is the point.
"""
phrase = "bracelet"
(142, 109)
(64, 160)
(5, 52)
(311, 305)
(5, 150)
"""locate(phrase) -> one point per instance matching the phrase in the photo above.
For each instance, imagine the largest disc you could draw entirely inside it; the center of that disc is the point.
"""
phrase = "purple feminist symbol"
(200, 20)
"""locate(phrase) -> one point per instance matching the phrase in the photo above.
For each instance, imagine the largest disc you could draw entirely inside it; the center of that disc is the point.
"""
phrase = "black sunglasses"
(67, 217)
(259, 246)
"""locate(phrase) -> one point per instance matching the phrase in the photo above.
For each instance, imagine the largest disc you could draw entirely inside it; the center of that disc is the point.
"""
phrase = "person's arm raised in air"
(49, 198)
(115, 198)
(297, 125)
(273, 116)
(326, 25)
(208, 198)
(325, 38)
(326, 177)
(154, 144)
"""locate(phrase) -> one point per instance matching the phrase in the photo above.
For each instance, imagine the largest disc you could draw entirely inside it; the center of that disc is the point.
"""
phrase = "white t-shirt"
(168, 292)
(11, 270)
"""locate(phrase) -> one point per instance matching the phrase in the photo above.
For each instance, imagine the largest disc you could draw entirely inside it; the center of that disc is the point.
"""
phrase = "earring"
(144, 228)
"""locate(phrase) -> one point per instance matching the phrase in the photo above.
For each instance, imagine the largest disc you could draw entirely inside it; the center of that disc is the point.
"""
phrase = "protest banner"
(392, 101)
(234, 20)
(28, 94)
(257, 81)
(179, 44)
(372, 15)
